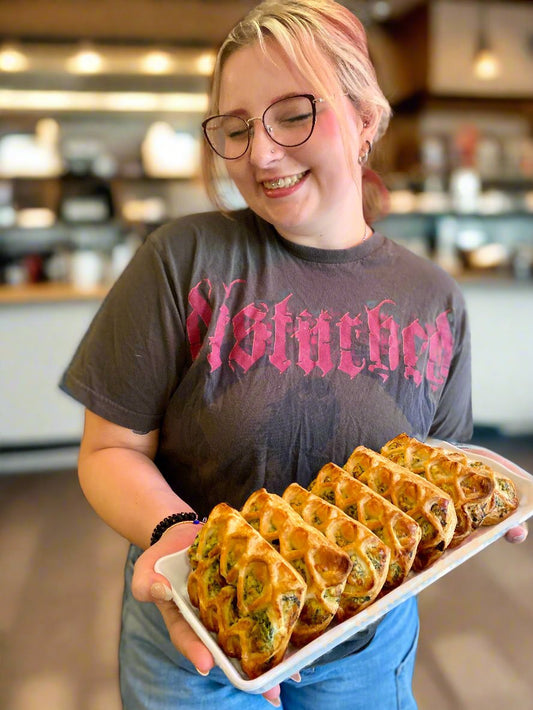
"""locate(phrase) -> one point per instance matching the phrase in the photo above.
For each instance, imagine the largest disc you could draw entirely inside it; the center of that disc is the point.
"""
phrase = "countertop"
(49, 292)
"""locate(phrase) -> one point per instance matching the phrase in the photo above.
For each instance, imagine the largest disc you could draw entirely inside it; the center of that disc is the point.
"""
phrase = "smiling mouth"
(284, 181)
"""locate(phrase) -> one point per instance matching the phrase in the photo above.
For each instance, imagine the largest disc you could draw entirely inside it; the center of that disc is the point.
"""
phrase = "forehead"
(251, 75)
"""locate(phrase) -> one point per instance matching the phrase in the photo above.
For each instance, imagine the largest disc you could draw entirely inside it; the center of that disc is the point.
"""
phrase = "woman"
(248, 350)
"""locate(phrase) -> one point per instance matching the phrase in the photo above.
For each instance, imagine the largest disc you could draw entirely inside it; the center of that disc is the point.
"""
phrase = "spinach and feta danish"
(324, 566)
(369, 555)
(430, 506)
(471, 489)
(245, 591)
(398, 531)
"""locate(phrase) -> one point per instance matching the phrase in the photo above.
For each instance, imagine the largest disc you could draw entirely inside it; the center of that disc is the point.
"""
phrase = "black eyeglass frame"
(247, 121)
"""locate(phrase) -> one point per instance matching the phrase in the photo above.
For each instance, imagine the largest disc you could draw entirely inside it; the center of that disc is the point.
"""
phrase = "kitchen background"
(100, 106)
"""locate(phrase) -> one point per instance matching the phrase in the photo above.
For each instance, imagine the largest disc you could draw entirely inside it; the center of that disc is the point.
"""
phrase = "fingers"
(144, 577)
(272, 696)
(184, 638)
(517, 534)
(148, 586)
(159, 591)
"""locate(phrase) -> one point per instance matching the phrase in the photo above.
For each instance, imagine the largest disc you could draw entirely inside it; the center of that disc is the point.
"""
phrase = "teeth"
(283, 182)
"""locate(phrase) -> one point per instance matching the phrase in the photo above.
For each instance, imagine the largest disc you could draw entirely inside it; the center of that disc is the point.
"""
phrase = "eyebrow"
(243, 112)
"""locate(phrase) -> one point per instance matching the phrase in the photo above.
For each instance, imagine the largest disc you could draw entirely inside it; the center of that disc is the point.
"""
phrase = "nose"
(263, 150)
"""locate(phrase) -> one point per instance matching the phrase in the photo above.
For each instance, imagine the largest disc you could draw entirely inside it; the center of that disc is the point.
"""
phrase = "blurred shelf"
(49, 292)
(462, 215)
(17, 241)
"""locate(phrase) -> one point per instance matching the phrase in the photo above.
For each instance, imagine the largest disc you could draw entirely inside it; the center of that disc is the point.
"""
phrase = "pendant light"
(486, 62)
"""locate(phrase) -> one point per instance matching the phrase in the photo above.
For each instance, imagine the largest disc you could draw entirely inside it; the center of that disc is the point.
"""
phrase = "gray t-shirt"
(260, 360)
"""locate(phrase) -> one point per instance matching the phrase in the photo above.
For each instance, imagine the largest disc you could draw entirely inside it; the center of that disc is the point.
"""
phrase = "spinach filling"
(351, 510)
(213, 579)
(253, 588)
(263, 631)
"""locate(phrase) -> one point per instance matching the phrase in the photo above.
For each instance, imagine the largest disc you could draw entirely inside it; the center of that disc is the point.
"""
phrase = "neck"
(334, 239)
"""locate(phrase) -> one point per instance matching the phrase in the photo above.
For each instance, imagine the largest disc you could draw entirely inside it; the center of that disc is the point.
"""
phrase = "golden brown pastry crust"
(369, 555)
(505, 498)
(432, 509)
(244, 590)
(471, 490)
(397, 530)
(324, 567)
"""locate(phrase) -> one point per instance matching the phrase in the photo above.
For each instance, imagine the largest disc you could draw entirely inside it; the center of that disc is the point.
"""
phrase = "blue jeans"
(155, 676)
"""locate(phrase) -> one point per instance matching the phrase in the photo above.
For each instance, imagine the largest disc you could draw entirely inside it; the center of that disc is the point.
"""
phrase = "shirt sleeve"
(453, 418)
(129, 362)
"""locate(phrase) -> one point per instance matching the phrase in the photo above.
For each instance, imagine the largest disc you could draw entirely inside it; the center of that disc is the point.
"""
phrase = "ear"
(370, 124)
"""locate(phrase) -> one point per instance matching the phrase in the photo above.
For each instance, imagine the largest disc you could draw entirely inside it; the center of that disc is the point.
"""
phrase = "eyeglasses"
(289, 122)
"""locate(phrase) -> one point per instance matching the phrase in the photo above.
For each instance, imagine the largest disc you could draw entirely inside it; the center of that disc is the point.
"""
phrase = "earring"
(364, 156)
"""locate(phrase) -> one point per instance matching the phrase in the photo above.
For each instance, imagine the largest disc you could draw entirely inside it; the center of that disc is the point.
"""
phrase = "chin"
(284, 217)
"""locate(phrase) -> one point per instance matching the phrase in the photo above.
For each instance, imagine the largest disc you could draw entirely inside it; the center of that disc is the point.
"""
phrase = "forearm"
(128, 492)
(121, 482)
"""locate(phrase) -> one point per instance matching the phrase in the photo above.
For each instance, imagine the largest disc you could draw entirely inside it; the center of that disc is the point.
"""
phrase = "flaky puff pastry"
(431, 507)
(471, 490)
(324, 567)
(505, 498)
(245, 591)
(369, 555)
(395, 528)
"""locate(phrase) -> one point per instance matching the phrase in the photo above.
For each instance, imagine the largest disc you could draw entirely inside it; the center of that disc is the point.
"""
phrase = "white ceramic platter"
(176, 569)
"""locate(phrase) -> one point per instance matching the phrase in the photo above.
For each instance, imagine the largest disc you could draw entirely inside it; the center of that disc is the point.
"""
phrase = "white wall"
(501, 319)
(37, 342)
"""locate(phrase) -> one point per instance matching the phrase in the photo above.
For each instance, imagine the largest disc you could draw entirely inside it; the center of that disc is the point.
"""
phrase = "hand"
(149, 586)
(517, 534)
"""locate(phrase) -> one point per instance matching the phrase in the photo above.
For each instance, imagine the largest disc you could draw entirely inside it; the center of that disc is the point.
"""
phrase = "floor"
(61, 587)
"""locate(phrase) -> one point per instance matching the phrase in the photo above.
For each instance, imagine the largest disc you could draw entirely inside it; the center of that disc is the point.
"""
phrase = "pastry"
(505, 498)
(245, 591)
(471, 489)
(397, 530)
(369, 555)
(324, 567)
(431, 507)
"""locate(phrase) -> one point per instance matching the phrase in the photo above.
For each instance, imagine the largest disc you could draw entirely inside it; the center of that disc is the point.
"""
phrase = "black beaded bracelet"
(171, 520)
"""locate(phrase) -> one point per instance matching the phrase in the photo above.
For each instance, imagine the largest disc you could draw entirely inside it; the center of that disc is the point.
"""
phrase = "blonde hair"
(328, 45)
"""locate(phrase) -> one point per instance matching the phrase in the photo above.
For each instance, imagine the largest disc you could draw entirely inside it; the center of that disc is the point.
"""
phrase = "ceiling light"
(12, 59)
(486, 64)
(381, 9)
(86, 61)
(156, 62)
(206, 63)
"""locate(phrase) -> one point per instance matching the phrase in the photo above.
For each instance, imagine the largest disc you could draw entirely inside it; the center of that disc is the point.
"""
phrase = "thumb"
(147, 585)
(160, 592)
(144, 574)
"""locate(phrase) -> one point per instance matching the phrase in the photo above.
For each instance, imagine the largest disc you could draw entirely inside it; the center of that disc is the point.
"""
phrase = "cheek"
(328, 140)
(330, 154)
(328, 126)
(238, 173)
